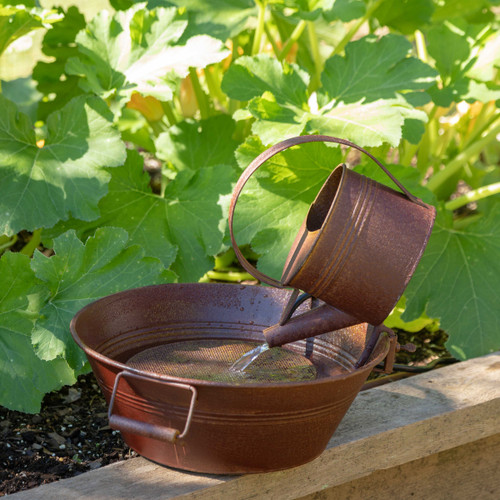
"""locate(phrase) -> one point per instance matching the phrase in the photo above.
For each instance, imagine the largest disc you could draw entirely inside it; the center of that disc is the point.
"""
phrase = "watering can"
(355, 252)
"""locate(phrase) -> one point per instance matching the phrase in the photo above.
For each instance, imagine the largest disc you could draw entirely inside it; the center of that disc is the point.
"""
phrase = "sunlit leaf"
(366, 107)
(79, 274)
(59, 43)
(465, 75)
(139, 50)
(197, 144)
(405, 15)
(457, 282)
(18, 20)
(25, 377)
(188, 220)
(40, 186)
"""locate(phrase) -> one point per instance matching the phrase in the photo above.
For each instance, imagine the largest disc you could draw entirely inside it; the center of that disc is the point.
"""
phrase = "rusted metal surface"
(354, 254)
(356, 249)
(146, 429)
(231, 428)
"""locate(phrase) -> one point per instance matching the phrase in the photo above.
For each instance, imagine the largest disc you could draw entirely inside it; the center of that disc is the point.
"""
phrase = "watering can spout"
(322, 319)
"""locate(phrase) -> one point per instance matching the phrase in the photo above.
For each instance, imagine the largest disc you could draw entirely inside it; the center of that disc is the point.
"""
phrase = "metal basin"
(211, 426)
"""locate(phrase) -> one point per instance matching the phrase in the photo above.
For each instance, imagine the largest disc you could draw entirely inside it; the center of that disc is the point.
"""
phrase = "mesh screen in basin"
(212, 360)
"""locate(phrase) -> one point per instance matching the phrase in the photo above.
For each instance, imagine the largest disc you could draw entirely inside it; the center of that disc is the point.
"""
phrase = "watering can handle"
(269, 153)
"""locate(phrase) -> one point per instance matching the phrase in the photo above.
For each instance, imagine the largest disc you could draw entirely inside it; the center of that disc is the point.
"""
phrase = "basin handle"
(126, 424)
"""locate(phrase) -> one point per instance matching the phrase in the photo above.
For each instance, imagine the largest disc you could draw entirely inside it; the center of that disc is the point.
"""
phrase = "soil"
(71, 434)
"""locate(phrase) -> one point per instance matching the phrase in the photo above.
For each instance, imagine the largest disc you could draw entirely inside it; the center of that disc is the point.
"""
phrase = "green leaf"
(394, 319)
(18, 20)
(221, 19)
(457, 282)
(369, 124)
(79, 274)
(197, 144)
(59, 43)
(345, 10)
(477, 11)
(408, 176)
(183, 228)
(413, 130)
(405, 16)
(282, 108)
(25, 377)
(449, 47)
(375, 68)
(22, 91)
(250, 77)
(40, 186)
(138, 50)
(276, 199)
(466, 65)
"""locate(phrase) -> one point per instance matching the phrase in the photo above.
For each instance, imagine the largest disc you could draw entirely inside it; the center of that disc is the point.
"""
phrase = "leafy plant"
(201, 88)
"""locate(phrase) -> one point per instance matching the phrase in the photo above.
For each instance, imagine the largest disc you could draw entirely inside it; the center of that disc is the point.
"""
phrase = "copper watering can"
(356, 250)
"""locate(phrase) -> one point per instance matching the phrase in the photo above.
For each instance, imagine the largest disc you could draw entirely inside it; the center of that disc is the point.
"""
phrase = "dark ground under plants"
(71, 435)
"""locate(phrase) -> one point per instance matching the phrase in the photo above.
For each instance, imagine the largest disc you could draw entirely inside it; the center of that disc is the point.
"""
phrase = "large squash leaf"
(40, 186)
(79, 274)
(183, 227)
(466, 61)
(457, 282)
(25, 377)
(56, 86)
(18, 20)
(197, 144)
(361, 98)
(375, 69)
(187, 221)
(139, 50)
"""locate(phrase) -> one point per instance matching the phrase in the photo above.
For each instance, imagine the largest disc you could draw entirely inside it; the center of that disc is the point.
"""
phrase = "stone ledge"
(412, 420)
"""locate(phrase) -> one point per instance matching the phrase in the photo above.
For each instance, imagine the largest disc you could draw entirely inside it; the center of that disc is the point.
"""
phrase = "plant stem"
(261, 18)
(296, 34)
(483, 122)
(474, 195)
(156, 126)
(7, 241)
(33, 243)
(424, 148)
(314, 45)
(201, 97)
(271, 39)
(232, 276)
(421, 47)
(169, 112)
(355, 27)
(441, 177)
(408, 153)
(214, 87)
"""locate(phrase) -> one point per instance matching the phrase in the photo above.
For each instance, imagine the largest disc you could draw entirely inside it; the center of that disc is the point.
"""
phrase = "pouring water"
(242, 363)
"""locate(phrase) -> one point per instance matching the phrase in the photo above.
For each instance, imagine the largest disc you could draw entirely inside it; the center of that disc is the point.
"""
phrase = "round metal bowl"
(210, 426)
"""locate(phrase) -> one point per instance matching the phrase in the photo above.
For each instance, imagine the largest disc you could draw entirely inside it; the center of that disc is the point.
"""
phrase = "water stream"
(241, 364)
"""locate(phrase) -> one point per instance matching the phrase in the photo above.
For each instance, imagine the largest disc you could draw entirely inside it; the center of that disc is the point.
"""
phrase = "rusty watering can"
(356, 250)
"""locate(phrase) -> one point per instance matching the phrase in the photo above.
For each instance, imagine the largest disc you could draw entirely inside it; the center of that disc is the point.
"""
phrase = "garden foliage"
(203, 87)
